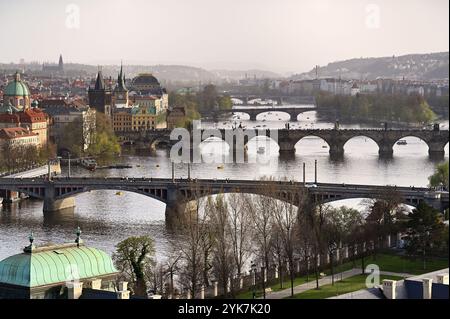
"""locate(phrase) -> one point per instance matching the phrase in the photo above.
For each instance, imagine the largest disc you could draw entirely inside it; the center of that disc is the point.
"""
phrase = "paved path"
(325, 281)
(312, 284)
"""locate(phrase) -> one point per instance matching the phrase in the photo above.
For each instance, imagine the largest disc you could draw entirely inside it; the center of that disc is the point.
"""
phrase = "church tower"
(61, 64)
(100, 95)
(121, 91)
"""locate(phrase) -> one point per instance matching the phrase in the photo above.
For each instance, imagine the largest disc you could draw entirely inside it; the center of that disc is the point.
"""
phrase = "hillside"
(432, 66)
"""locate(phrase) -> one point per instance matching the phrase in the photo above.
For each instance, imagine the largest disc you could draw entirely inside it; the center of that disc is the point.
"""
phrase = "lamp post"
(333, 247)
(68, 173)
(263, 283)
(253, 269)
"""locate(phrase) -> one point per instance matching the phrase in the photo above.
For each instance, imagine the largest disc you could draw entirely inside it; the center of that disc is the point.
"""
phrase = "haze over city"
(280, 36)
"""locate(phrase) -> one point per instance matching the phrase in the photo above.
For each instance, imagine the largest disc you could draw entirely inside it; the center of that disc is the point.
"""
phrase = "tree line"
(91, 139)
(194, 104)
(375, 107)
(21, 157)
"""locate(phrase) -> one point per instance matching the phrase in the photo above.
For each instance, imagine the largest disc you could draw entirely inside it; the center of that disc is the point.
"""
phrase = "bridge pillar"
(178, 210)
(287, 146)
(51, 204)
(252, 115)
(436, 150)
(385, 149)
(336, 149)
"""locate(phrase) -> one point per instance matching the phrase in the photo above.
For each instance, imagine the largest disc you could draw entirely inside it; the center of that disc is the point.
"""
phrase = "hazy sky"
(277, 35)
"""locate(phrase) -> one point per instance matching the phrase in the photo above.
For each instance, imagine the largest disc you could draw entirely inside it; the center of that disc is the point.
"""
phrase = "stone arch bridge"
(336, 139)
(253, 112)
(59, 193)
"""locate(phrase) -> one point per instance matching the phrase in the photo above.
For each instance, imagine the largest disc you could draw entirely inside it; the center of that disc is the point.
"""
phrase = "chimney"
(122, 292)
(442, 279)
(389, 288)
(75, 289)
(427, 286)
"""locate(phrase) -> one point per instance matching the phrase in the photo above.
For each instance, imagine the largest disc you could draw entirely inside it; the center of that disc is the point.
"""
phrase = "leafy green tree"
(440, 176)
(225, 103)
(208, 97)
(425, 231)
(104, 146)
(72, 138)
(133, 257)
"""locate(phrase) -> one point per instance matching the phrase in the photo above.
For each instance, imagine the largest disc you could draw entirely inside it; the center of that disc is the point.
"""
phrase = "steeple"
(60, 63)
(17, 76)
(121, 80)
(99, 83)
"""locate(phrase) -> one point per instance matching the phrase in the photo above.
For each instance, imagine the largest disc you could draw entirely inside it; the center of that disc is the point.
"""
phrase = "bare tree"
(240, 230)
(223, 265)
(195, 232)
(285, 218)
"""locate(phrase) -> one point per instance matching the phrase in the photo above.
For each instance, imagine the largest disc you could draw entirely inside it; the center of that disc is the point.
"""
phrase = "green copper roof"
(16, 87)
(55, 264)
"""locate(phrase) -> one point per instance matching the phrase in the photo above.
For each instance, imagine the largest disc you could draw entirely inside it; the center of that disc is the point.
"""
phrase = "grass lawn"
(340, 287)
(386, 261)
(401, 264)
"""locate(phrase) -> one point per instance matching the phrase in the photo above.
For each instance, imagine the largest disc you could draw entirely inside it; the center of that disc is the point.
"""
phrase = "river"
(106, 218)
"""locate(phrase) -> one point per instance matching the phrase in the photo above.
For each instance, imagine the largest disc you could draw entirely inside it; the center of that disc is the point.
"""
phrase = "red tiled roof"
(15, 132)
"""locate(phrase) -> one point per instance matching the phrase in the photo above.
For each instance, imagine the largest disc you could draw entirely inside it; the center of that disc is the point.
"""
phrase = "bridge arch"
(421, 145)
(160, 141)
(288, 116)
(367, 138)
(262, 141)
(310, 141)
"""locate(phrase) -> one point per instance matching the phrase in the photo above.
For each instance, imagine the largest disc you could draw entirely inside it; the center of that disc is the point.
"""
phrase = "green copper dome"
(55, 264)
(16, 87)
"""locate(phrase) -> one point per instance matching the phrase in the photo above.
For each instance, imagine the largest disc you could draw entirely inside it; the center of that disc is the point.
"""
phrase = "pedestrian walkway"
(312, 284)
(325, 281)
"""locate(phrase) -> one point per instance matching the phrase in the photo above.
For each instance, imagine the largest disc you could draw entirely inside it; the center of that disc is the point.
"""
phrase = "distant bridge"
(287, 138)
(58, 193)
(253, 112)
(278, 98)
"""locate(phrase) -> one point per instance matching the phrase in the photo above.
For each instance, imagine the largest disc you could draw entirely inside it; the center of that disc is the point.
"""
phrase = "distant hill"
(432, 66)
(165, 73)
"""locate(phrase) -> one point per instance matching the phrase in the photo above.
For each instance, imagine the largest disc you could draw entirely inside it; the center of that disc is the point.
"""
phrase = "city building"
(175, 116)
(54, 68)
(122, 119)
(17, 136)
(354, 90)
(32, 119)
(100, 97)
(62, 115)
(17, 93)
(145, 84)
(143, 118)
(65, 271)
(120, 93)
